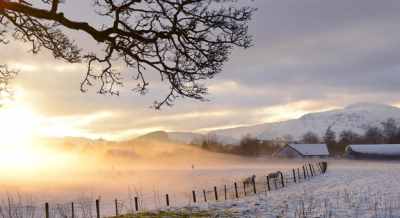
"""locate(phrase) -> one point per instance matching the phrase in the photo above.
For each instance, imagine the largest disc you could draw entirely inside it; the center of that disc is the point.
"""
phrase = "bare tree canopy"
(185, 41)
(5, 76)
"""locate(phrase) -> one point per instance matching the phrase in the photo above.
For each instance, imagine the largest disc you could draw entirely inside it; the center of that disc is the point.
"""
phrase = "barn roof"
(379, 149)
(311, 149)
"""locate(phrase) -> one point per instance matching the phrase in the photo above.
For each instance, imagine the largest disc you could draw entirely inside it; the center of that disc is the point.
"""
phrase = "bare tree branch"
(185, 41)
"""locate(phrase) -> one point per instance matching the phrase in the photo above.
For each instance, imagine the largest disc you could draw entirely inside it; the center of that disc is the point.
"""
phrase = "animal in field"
(249, 180)
(274, 177)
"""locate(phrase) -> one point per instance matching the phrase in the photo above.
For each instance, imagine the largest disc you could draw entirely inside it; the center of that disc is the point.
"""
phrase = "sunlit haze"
(314, 72)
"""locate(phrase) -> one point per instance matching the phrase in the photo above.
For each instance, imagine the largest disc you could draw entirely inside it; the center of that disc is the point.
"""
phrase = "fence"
(92, 208)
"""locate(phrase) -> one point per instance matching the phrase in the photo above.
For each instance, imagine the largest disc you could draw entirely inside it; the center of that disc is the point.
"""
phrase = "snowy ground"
(349, 189)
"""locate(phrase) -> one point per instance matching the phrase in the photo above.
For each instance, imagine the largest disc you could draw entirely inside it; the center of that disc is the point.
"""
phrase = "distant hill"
(157, 136)
(356, 117)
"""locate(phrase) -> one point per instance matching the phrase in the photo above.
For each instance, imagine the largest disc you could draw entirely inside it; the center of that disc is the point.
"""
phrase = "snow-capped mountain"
(356, 117)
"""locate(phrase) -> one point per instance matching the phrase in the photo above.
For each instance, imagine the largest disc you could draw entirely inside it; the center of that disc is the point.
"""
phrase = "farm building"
(303, 150)
(373, 151)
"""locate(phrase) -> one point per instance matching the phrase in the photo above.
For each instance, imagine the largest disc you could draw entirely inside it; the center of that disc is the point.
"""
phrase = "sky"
(308, 56)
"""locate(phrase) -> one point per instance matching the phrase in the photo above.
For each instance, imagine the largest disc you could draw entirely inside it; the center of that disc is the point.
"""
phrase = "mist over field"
(113, 170)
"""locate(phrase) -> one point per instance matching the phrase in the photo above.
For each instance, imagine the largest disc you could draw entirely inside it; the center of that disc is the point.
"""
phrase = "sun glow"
(20, 153)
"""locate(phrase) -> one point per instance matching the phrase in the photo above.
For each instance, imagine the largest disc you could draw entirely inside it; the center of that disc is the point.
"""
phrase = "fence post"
(313, 169)
(136, 204)
(298, 174)
(205, 197)
(46, 209)
(236, 191)
(254, 185)
(225, 193)
(216, 193)
(194, 196)
(167, 199)
(294, 176)
(268, 185)
(116, 207)
(244, 188)
(72, 210)
(312, 174)
(283, 183)
(305, 172)
(319, 167)
(324, 166)
(97, 208)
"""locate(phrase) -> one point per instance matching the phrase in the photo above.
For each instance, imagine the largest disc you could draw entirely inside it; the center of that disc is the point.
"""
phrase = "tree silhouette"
(5, 74)
(185, 41)
(390, 130)
(374, 135)
(348, 137)
(330, 137)
(310, 138)
(330, 140)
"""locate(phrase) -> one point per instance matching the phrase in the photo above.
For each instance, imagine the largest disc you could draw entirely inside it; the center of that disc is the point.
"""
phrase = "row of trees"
(248, 146)
(387, 133)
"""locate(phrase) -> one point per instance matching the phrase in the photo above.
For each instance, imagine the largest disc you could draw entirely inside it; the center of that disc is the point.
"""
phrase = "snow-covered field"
(349, 189)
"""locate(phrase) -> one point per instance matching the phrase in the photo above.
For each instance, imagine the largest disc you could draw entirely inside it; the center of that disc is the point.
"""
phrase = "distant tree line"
(387, 133)
(248, 146)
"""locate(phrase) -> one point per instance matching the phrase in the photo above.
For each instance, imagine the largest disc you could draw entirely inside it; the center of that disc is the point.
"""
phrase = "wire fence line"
(137, 201)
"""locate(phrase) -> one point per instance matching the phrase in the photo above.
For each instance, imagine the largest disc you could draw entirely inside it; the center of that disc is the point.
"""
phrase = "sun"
(17, 125)
(17, 129)
(21, 154)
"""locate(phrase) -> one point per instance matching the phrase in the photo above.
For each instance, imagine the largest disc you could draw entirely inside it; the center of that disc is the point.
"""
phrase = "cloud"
(308, 56)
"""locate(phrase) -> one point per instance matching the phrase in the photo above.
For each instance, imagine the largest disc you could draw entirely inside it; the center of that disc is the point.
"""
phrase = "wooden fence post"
(244, 188)
(298, 174)
(215, 193)
(254, 185)
(167, 199)
(46, 209)
(283, 183)
(205, 196)
(116, 207)
(236, 191)
(268, 185)
(194, 196)
(304, 172)
(136, 204)
(98, 208)
(312, 174)
(72, 210)
(225, 193)
(319, 167)
(313, 170)
(324, 166)
(294, 176)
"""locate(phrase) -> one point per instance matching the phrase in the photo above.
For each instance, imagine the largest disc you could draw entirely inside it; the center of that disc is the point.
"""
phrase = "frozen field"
(349, 189)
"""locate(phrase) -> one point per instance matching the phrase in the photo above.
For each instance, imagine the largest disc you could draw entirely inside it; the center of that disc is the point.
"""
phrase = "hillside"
(356, 117)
